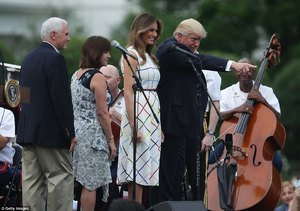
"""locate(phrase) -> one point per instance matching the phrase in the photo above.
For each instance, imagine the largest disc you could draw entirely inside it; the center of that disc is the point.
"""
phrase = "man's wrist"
(210, 132)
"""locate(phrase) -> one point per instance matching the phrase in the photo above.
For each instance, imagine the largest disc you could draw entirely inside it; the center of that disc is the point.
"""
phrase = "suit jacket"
(182, 112)
(47, 120)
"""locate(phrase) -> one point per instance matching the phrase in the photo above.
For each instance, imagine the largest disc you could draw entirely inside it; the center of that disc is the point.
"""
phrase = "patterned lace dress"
(90, 159)
(147, 152)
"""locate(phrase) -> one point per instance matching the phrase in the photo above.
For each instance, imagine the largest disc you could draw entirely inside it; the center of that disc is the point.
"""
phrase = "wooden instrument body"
(258, 183)
(117, 108)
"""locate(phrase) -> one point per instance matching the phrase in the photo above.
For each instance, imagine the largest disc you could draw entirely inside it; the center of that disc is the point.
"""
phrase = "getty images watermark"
(16, 208)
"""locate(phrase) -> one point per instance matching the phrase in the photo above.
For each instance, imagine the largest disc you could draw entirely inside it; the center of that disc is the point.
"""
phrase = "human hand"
(207, 142)
(114, 114)
(139, 136)
(244, 108)
(73, 143)
(240, 67)
(112, 149)
(297, 192)
(256, 95)
(162, 137)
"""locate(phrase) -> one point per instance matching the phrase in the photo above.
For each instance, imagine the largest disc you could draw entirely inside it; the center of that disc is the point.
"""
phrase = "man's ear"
(118, 80)
(53, 35)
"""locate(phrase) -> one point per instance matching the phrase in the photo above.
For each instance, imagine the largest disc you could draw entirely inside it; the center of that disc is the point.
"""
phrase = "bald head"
(113, 79)
(110, 70)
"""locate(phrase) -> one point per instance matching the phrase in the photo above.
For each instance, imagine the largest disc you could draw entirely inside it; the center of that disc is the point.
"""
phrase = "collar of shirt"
(52, 46)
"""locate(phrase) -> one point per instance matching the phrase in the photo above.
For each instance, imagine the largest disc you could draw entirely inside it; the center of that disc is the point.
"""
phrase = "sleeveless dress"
(91, 154)
(148, 151)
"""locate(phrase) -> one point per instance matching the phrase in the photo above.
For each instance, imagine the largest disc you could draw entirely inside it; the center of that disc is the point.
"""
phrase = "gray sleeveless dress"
(91, 155)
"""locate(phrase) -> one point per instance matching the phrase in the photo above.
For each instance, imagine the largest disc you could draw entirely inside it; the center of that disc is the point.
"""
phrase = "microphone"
(122, 49)
(190, 54)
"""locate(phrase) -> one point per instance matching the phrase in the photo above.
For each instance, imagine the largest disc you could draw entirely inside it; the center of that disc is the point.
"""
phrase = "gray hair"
(52, 24)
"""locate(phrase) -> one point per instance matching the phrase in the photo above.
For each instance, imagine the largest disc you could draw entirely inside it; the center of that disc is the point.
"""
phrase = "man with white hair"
(183, 99)
(46, 123)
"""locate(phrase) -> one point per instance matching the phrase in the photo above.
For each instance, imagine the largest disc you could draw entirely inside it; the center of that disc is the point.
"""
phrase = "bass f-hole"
(254, 155)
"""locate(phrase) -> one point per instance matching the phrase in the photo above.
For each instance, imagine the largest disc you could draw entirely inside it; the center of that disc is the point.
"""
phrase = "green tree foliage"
(288, 81)
(120, 34)
(7, 54)
(282, 17)
(72, 54)
(231, 25)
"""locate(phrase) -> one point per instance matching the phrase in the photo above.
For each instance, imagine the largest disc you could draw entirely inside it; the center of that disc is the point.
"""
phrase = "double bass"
(255, 182)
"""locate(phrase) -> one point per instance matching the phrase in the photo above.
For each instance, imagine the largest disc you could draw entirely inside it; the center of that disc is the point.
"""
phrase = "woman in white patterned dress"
(145, 30)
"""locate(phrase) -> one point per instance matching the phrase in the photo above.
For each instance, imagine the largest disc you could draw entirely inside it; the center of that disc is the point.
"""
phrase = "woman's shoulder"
(75, 75)
(97, 75)
(131, 49)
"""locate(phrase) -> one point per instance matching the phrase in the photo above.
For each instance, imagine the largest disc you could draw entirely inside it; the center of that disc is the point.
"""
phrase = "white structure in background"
(23, 18)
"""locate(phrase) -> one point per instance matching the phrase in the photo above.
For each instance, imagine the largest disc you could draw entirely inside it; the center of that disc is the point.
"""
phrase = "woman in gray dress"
(95, 148)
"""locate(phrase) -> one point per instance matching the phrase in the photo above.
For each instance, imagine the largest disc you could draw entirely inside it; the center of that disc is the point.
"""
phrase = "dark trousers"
(196, 168)
(177, 155)
(10, 183)
(172, 168)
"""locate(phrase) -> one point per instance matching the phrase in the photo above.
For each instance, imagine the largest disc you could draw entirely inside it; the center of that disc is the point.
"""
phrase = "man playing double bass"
(234, 104)
(234, 98)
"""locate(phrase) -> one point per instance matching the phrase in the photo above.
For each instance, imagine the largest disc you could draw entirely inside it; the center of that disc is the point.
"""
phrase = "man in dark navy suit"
(46, 128)
(183, 101)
